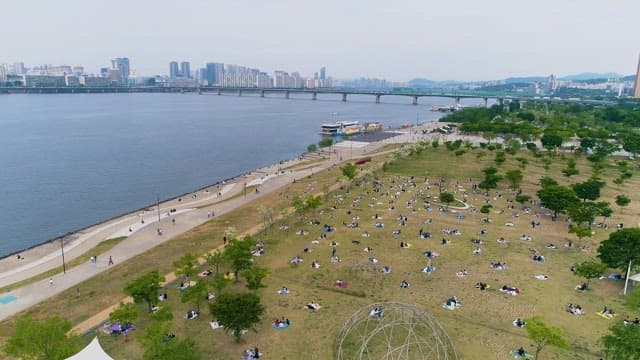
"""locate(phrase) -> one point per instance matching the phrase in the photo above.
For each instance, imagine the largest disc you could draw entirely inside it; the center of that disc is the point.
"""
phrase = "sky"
(393, 39)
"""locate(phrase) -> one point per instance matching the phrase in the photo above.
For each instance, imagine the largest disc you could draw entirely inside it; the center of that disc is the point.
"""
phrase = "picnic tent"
(635, 277)
(93, 351)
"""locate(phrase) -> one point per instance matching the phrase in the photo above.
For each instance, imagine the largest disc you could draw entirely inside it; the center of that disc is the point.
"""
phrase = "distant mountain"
(629, 78)
(589, 75)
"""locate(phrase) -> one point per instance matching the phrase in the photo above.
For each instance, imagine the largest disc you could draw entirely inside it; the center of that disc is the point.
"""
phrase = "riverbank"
(194, 211)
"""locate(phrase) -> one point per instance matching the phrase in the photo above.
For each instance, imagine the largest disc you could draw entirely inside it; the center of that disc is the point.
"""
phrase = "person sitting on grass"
(582, 287)
(283, 291)
(404, 284)
(452, 303)
(313, 305)
(519, 323)
(477, 251)
(192, 314)
(376, 312)
(386, 270)
(315, 264)
(607, 312)
(462, 273)
(340, 283)
(482, 286)
(538, 258)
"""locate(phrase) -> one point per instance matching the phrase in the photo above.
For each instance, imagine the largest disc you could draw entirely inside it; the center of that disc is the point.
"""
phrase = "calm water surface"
(69, 161)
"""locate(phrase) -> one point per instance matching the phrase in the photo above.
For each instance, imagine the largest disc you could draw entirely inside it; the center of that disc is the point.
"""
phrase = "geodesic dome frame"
(404, 331)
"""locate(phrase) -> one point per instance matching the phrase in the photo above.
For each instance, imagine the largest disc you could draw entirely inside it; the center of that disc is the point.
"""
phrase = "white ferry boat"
(339, 128)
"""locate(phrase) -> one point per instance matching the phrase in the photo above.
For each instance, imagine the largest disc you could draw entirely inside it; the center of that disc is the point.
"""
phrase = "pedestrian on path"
(110, 260)
(50, 281)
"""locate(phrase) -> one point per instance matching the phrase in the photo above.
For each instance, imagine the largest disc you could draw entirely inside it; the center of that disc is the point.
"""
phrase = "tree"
(124, 314)
(298, 205)
(486, 209)
(216, 259)
(500, 158)
(581, 231)
(195, 294)
(237, 312)
(158, 346)
(313, 202)
(219, 282)
(543, 335)
(622, 342)
(163, 314)
(447, 198)
(145, 288)
(620, 250)
(590, 270)
(186, 265)
(491, 179)
(605, 210)
(570, 170)
(254, 276)
(326, 142)
(588, 190)
(547, 181)
(45, 339)
(522, 199)
(350, 171)
(631, 143)
(622, 200)
(584, 212)
(551, 141)
(326, 189)
(558, 198)
(311, 148)
(238, 254)
(459, 153)
(267, 216)
(546, 163)
(514, 177)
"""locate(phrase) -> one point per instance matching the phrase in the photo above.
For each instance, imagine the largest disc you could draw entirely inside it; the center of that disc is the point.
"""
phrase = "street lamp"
(64, 265)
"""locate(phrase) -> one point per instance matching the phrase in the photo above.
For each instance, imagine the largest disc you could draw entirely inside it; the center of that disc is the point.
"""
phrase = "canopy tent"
(93, 351)
(635, 277)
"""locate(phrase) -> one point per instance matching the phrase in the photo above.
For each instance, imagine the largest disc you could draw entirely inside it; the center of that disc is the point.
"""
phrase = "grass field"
(480, 329)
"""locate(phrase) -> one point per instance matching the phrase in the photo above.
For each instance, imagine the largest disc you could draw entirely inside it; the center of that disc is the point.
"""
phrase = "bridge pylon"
(377, 98)
(344, 96)
(415, 100)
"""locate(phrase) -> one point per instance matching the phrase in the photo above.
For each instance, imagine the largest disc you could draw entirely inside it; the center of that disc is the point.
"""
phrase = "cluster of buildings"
(229, 75)
(16, 74)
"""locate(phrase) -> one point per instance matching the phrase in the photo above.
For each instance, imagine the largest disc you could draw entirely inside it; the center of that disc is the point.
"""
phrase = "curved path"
(190, 213)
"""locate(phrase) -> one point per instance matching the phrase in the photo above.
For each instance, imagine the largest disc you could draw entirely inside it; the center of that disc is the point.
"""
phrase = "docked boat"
(340, 128)
(373, 126)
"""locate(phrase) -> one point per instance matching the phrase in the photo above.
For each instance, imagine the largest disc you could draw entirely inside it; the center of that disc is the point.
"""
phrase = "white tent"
(93, 351)
(635, 277)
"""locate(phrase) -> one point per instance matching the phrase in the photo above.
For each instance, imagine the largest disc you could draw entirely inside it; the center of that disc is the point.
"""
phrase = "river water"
(69, 161)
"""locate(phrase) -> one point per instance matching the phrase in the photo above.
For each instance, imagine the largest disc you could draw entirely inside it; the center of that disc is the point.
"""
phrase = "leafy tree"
(238, 254)
(350, 171)
(605, 210)
(219, 282)
(491, 179)
(522, 162)
(434, 143)
(622, 342)
(551, 141)
(622, 200)
(45, 339)
(158, 345)
(513, 146)
(125, 313)
(588, 190)
(459, 153)
(620, 250)
(522, 199)
(570, 170)
(145, 288)
(313, 202)
(590, 270)
(186, 265)
(216, 259)
(486, 209)
(447, 198)
(500, 158)
(267, 216)
(164, 314)
(547, 181)
(298, 204)
(558, 198)
(312, 148)
(195, 294)
(631, 143)
(584, 212)
(514, 177)
(326, 142)
(543, 335)
(237, 312)
(580, 230)
(254, 276)
(546, 163)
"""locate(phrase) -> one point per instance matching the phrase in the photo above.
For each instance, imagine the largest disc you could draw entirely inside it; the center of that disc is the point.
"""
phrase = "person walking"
(50, 281)
(110, 260)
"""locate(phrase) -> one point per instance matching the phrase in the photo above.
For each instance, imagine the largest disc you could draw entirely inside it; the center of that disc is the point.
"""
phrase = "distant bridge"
(415, 95)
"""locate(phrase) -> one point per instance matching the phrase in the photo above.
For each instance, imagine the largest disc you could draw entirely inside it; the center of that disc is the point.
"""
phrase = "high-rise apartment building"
(636, 88)
(323, 73)
(214, 73)
(173, 69)
(185, 70)
(123, 67)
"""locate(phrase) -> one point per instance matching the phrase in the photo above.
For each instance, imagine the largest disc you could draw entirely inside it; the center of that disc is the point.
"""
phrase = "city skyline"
(395, 41)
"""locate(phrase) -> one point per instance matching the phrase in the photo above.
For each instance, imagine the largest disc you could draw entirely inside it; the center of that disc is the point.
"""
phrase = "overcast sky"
(393, 39)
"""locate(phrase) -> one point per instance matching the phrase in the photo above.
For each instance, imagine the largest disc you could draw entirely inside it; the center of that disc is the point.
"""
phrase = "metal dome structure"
(393, 331)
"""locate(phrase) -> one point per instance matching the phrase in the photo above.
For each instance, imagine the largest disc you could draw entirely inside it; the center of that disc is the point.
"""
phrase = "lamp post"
(64, 265)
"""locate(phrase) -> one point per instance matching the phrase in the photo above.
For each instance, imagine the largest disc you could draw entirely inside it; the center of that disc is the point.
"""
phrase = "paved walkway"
(190, 213)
